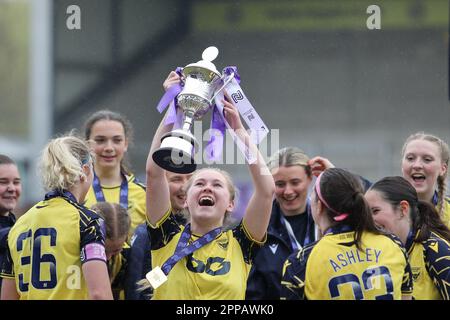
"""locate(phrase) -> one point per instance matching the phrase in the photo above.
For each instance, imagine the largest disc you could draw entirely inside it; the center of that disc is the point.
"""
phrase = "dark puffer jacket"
(264, 282)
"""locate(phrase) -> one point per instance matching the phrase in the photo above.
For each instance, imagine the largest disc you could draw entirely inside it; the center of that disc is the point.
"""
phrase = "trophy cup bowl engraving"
(178, 147)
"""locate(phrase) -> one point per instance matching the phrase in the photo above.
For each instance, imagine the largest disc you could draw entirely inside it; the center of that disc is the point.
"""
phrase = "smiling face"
(421, 166)
(177, 190)
(10, 187)
(109, 143)
(386, 216)
(291, 188)
(208, 198)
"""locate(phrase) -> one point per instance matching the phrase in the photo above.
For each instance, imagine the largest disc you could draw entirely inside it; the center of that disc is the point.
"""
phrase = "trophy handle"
(227, 81)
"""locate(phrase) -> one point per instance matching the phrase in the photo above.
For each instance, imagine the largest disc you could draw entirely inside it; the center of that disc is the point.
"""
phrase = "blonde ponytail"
(61, 162)
(442, 188)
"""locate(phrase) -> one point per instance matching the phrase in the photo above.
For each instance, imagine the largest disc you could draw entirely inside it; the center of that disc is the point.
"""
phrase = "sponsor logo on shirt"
(273, 247)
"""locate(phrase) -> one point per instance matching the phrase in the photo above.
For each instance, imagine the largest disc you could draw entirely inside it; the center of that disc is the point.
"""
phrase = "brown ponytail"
(428, 220)
(344, 193)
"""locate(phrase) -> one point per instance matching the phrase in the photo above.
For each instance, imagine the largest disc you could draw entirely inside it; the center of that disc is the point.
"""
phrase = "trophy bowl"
(201, 84)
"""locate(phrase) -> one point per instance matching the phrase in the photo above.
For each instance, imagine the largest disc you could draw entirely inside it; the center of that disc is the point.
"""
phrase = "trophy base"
(174, 160)
(176, 153)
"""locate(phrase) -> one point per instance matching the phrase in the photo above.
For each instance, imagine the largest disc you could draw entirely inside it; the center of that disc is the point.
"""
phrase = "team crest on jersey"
(415, 272)
(223, 244)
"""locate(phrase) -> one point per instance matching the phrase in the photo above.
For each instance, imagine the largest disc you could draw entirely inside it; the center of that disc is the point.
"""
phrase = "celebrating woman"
(202, 260)
(352, 255)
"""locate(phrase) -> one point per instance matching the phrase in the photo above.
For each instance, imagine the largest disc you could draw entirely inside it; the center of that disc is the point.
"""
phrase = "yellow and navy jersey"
(136, 200)
(334, 268)
(430, 266)
(217, 271)
(116, 269)
(47, 247)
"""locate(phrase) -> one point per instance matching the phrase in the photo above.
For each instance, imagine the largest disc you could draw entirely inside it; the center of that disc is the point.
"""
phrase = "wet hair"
(288, 157)
(111, 116)
(230, 185)
(4, 159)
(444, 153)
(343, 193)
(424, 215)
(117, 220)
(61, 162)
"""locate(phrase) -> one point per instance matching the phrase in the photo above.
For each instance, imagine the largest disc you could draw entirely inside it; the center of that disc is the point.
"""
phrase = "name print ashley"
(353, 256)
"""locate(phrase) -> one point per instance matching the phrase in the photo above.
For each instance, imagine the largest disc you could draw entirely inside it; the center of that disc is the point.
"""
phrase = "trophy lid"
(209, 54)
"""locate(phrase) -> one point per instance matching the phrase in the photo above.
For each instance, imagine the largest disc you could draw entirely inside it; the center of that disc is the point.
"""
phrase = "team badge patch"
(223, 244)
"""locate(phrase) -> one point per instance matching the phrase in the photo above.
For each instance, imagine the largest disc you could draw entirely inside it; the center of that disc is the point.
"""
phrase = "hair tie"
(340, 217)
(86, 160)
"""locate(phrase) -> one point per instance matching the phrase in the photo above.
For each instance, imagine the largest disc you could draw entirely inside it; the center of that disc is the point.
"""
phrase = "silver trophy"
(202, 83)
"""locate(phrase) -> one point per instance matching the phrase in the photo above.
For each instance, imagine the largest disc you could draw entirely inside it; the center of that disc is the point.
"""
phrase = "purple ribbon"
(168, 99)
(232, 69)
(217, 131)
(218, 126)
